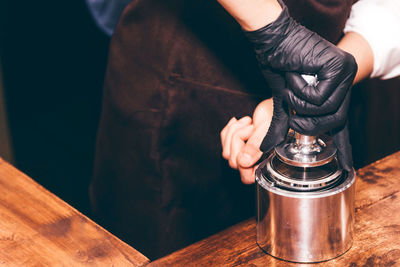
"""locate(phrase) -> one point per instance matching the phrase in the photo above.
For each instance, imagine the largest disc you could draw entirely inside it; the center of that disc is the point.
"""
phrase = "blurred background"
(53, 59)
(52, 63)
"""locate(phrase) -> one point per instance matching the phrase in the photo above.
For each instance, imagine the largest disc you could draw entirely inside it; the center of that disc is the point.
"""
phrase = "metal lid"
(306, 151)
(303, 162)
(300, 178)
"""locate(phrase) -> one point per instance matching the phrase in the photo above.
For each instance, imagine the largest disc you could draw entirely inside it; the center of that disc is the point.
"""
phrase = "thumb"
(250, 152)
(279, 126)
(249, 155)
(342, 141)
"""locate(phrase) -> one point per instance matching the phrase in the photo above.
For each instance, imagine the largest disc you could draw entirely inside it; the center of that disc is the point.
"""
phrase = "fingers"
(246, 160)
(319, 124)
(247, 175)
(238, 140)
(318, 94)
(228, 131)
(244, 148)
(302, 107)
(240, 146)
(243, 155)
(248, 155)
(337, 74)
(223, 134)
(250, 152)
(301, 88)
(321, 58)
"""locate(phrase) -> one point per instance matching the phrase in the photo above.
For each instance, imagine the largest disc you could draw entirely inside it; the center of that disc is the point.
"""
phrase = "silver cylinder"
(305, 139)
(308, 226)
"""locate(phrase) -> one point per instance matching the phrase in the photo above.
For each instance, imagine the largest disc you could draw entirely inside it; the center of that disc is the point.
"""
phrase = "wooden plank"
(377, 230)
(39, 229)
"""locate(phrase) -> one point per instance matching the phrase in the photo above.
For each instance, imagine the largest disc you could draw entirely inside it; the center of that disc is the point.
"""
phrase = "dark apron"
(178, 71)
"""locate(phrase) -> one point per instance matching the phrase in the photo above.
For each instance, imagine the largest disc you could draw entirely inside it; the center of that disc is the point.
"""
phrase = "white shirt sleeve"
(378, 21)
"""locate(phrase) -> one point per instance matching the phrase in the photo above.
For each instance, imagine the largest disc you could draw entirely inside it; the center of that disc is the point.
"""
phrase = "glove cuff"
(278, 128)
(267, 38)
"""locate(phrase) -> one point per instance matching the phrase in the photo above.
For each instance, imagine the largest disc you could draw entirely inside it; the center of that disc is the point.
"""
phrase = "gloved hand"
(280, 119)
(284, 46)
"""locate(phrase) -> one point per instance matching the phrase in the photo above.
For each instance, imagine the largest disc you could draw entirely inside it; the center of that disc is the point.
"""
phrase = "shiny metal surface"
(306, 151)
(303, 139)
(305, 202)
(302, 179)
(307, 226)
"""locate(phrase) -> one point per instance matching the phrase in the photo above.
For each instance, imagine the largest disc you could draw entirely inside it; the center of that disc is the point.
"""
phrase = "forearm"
(357, 46)
(252, 14)
(255, 14)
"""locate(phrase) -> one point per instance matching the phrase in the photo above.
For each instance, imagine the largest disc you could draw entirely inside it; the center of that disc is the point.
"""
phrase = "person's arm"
(376, 23)
(281, 46)
(241, 141)
(356, 45)
(370, 37)
(252, 14)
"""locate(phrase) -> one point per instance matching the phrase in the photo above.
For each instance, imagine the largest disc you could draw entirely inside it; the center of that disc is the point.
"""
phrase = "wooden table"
(377, 230)
(39, 229)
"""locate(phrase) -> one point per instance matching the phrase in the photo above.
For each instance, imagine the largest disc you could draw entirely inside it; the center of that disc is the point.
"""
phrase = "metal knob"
(304, 150)
(307, 143)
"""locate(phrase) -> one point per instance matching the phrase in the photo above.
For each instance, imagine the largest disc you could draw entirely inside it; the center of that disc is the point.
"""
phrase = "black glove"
(280, 120)
(304, 122)
(286, 46)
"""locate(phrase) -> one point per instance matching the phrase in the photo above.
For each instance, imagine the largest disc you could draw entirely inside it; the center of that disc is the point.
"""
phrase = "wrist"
(267, 38)
(262, 15)
(252, 14)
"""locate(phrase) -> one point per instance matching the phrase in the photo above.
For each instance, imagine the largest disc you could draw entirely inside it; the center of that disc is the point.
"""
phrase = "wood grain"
(39, 229)
(377, 230)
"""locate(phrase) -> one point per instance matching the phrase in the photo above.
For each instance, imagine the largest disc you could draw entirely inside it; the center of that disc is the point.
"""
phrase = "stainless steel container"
(305, 202)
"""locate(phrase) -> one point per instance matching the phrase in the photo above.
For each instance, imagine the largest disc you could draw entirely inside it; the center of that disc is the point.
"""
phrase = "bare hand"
(241, 140)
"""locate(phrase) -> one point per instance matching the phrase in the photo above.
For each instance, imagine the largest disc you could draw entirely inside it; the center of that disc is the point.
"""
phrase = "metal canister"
(305, 202)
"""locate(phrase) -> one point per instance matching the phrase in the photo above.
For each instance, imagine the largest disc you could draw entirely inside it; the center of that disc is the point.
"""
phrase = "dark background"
(53, 58)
